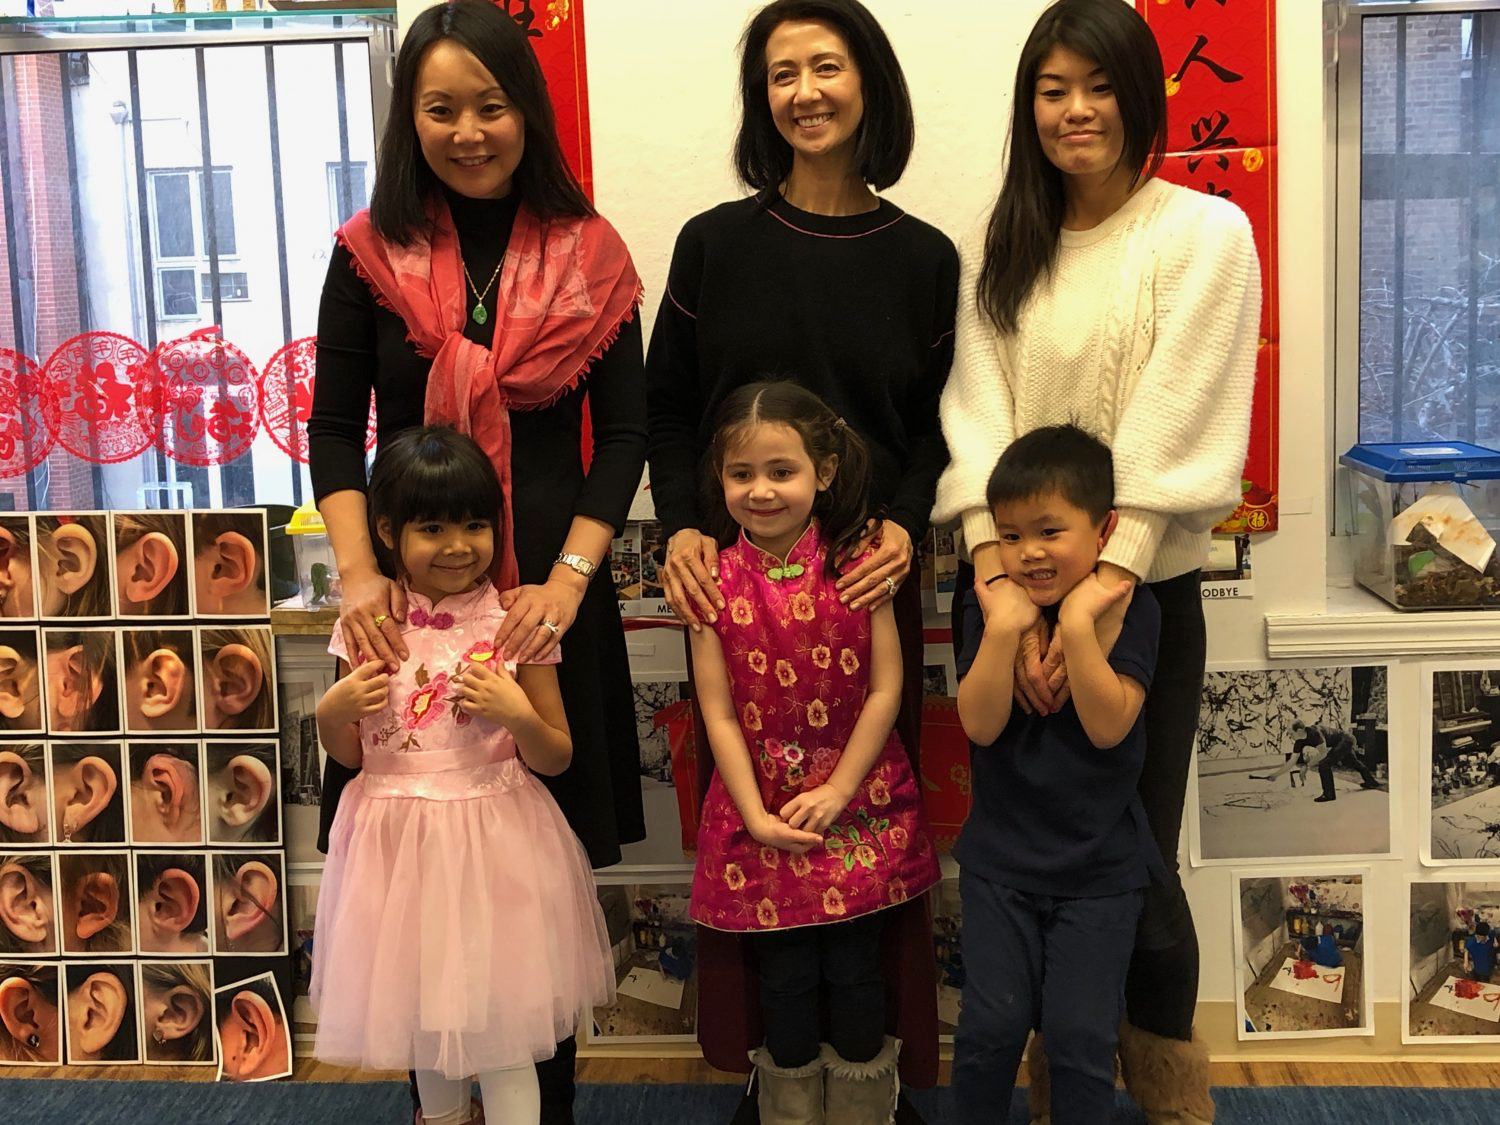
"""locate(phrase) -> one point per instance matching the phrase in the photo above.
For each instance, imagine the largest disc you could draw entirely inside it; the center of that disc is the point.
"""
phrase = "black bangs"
(431, 473)
(1063, 459)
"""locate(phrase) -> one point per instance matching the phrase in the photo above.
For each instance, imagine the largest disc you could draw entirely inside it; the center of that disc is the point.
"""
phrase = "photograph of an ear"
(30, 1021)
(229, 564)
(101, 1008)
(21, 710)
(82, 681)
(177, 1012)
(249, 903)
(24, 817)
(96, 903)
(172, 903)
(255, 1039)
(160, 686)
(17, 568)
(244, 798)
(166, 792)
(28, 905)
(237, 674)
(151, 563)
(73, 573)
(88, 795)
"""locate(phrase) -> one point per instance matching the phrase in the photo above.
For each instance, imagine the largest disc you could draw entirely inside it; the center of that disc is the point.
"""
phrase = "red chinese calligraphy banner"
(555, 28)
(1220, 59)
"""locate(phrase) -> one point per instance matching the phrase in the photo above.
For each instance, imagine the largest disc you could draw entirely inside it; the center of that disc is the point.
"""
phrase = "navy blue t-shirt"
(1053, 814)
(1481, 954)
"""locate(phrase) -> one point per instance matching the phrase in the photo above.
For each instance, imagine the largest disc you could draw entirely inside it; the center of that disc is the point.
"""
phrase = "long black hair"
(403, 179)
(883, 142)
(842, 508)
(1021, 243)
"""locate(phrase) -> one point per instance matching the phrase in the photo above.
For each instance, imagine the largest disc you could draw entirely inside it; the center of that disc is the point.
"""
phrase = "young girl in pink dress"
(812, 824)
(458, 930)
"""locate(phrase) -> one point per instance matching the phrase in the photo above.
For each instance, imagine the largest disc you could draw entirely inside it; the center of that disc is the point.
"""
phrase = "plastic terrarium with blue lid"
(1425, 516)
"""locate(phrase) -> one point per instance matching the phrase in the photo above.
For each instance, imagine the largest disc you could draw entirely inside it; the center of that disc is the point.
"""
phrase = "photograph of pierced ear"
(160, 686)
(244, 799)
(151, 563)
(95, 903)
(177, 1012)
(249, 903)
(88, 800)
(237, 678)
(28, 907)
(72, 566)
(171, 903)
(82, 681)
(30, 1027)
(17, 595)
(229, 564)
(24, 818)
(255, 1040)
(21, 709)
(101, 1008)
(166, 792)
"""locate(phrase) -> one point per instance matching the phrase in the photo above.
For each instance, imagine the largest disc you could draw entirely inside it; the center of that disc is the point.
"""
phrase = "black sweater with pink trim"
(858, 309)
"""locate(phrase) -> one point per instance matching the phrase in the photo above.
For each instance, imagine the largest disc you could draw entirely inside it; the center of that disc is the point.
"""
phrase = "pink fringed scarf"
(566, 287)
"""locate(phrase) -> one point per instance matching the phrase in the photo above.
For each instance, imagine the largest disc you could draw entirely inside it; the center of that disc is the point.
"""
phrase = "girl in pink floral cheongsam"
(458, 930)
(812, 824)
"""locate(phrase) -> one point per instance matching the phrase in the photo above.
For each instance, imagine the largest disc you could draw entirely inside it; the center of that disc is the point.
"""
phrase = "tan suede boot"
(1038, 1081)
(1168, 1078)
(788, 1096)
(861, 1093)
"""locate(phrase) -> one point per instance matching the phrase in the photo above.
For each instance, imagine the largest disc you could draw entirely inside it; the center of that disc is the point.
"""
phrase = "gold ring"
(380, 619)
(552, 625)
(890, 586)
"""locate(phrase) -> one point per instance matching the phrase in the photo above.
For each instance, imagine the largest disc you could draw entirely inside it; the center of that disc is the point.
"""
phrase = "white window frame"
(333, 187)
(198, 262)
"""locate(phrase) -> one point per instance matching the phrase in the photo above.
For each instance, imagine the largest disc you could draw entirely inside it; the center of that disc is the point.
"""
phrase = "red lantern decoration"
(208, 399)
(99, 397)
(25, 439)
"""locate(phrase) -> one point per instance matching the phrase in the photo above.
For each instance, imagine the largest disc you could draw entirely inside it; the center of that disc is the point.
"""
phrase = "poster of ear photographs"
(243, 799)
(947, 948)
(166, 792)
(230, 549)
(82, 680)
(237, 679)
(1460, 763)
(96, 903)
(25, 805)
(248, 903)
(28, 905)
(17, 568)
(158, 667)
(251, 1029)
(102, 1008)
(151, 564)
(1300, 952)
(655, 952)
(1292, 763)
(1226, 574)
(88, 793)
(74, 576)
(1449, 995)
(177, 1012)
(21, 697)
(172, 903)
(30, 994)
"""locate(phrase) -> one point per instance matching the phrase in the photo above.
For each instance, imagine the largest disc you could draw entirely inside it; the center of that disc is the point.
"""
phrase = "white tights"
(511, 1097)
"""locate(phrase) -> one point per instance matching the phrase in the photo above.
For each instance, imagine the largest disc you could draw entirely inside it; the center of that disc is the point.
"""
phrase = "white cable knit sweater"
(1145, 333)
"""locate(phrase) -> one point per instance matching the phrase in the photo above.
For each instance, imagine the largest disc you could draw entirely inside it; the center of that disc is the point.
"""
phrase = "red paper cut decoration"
(99, 397)
(208, 391)
(25, 439)
(286, 397)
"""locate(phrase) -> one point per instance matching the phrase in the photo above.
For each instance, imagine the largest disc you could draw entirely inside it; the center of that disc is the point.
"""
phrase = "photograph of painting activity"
(655, 950)
(1453, 946)
(1465, 765)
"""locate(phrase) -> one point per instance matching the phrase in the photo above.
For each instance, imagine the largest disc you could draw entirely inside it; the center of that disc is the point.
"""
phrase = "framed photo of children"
(18, 597)
(30, 995)
(1459, 763)
(25, 810)
(152, 564)
(1302, 968)
(237, 679)
(230, 549)
(1450, 996)
(656, 978)
(1292, 764)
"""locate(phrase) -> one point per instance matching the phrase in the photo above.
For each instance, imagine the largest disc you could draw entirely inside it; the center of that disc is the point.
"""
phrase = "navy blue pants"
(1037, 961)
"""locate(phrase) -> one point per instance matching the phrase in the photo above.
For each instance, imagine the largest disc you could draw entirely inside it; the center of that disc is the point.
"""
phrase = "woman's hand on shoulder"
(774, 832)
(357, 695)
(536, 617)
(815, 809)
(370, 617)
(690, 578)
(864, 586)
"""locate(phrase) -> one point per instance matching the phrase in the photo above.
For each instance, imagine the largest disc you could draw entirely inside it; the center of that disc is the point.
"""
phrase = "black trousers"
(1342, 754)
(1161, 988)
(831, 969)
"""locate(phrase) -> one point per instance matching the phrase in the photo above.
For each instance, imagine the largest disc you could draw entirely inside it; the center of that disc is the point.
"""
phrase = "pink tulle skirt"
(458, 928)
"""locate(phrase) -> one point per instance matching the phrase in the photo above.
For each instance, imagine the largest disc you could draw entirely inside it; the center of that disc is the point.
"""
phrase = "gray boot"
(788, 1096)
(862, 1093)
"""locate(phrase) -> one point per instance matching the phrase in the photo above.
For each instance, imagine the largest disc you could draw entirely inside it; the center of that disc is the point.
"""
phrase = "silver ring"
(551, 625)
(890, 586)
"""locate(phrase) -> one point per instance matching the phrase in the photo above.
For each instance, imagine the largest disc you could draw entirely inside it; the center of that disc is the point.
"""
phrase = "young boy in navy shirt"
(1056, 854)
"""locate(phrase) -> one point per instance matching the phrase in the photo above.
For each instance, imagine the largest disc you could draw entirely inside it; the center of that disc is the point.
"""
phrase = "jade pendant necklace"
(478, 311)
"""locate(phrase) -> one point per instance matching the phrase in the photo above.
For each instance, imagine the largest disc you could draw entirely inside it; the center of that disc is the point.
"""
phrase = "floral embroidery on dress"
(423, 706)
(821, 656)
(757, 661)
(786, 675)
(848, 662)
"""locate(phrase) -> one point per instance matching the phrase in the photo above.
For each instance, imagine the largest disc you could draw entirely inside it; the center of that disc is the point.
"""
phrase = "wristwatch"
(576, 562)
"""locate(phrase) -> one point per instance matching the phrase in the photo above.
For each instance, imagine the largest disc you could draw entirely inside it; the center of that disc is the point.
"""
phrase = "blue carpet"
(37, 1101)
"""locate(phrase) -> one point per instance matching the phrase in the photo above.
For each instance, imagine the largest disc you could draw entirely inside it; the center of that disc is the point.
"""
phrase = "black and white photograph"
(102, 1014)
(1291, 763)
(177, 1012)
(253, 1034)
(22, 703)
(96, 903)
(88, 793)
(73, 578)
(1461, 763)
(25, 810)
(31, 1013)
(28, 905)
(655, 947)
(82, 681)
(18, 593)
(652, 698)
(1455, 933)
(302, 912)
(1300, 954)
(151, 564)
(229, 564)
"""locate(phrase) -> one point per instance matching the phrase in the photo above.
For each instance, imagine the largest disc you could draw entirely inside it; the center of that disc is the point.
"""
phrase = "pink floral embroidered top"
(798, 664)
(422, 712)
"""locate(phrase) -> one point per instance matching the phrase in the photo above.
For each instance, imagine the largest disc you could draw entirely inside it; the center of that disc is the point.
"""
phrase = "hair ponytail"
(844, 506)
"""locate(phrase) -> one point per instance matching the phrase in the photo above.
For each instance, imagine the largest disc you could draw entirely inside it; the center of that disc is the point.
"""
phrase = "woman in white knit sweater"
(1100, 295)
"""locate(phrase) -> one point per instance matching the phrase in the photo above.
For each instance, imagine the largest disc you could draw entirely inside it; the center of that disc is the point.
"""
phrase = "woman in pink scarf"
(481, 290)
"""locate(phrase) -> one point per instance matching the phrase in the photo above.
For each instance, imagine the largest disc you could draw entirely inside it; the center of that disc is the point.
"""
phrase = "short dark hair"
(404, 181)
(431, 473)
(887, 131)
(1021, 242)
(1065, 459)
(1482, 928)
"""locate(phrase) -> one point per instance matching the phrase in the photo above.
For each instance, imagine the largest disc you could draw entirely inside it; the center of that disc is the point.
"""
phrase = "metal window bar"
(13, 229)
(278, 202)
